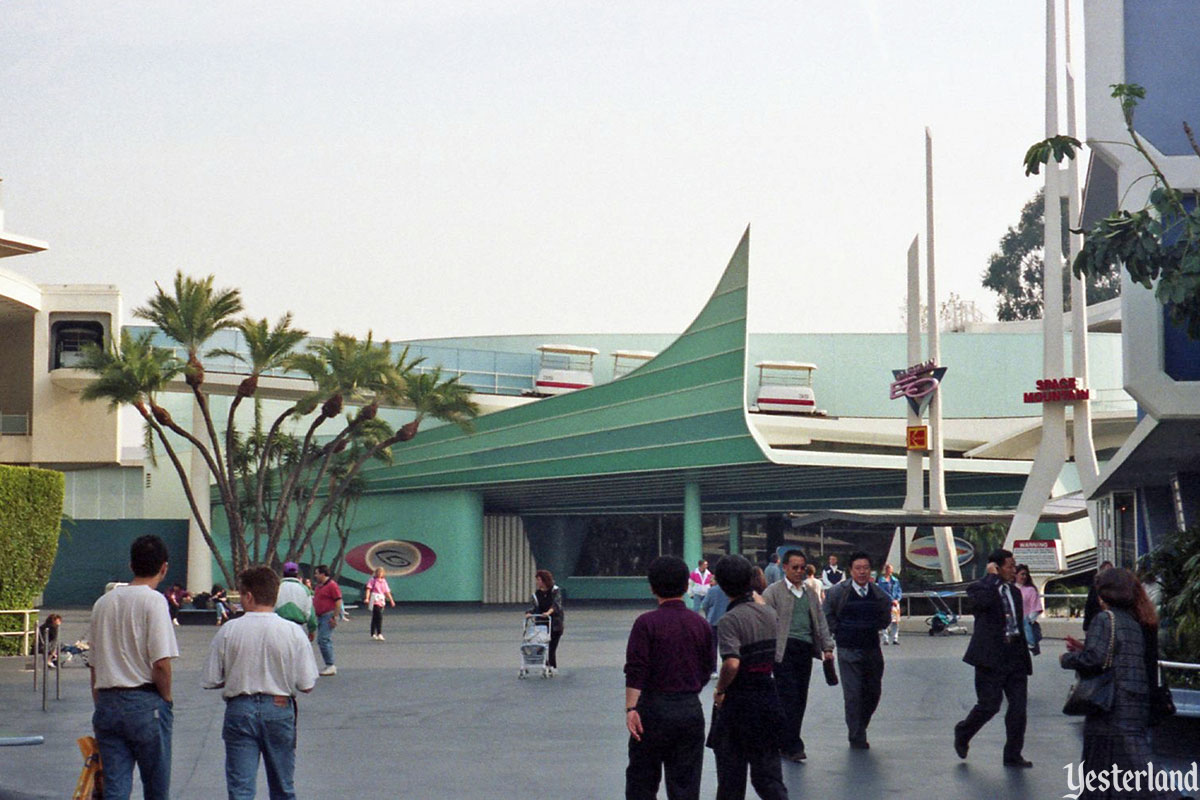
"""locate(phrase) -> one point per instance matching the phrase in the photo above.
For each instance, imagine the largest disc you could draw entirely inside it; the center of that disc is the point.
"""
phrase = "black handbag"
(1093, 694)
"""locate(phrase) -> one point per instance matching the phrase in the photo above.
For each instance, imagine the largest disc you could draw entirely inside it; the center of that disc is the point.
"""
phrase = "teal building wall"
(93, 552)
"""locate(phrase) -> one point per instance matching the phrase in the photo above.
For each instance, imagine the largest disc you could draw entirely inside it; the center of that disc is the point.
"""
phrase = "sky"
(442, 168)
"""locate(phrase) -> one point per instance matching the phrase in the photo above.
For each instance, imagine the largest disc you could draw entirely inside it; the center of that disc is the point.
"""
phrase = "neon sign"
(1058, 390)
(917, 384)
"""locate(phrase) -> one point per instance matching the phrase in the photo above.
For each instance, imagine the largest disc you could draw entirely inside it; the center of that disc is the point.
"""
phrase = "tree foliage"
(1159, 244)
(1015, 272)
(31, 507)
(277, 488)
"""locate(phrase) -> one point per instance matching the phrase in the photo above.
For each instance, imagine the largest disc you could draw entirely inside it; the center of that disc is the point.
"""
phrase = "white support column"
(942, 536)
(914, 496)
(1052, 452)
(1084, 446)
(199, 572)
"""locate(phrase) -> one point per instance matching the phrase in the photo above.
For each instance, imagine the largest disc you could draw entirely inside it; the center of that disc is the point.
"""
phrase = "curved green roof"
(681, 410)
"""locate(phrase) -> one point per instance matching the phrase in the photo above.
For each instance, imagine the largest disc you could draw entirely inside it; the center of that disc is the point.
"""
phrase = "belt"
(279, 699)
(145, 687)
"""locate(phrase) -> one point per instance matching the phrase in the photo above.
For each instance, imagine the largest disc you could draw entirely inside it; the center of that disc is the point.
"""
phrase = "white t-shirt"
(260, 653)
(130, 630)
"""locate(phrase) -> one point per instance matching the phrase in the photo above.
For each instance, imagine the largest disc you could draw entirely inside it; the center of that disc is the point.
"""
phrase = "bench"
(196, 616)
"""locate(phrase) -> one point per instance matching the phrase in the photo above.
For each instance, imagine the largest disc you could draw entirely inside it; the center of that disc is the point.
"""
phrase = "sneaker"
(175, 621)
(380, 637)
(330, 670)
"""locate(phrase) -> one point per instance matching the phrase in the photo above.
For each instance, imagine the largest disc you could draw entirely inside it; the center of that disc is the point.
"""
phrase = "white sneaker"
(380, 637)
(330, 670)
(175, 621)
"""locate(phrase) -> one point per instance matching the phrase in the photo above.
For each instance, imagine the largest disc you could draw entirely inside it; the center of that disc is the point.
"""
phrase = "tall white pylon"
(1052, 452)
(942, 535)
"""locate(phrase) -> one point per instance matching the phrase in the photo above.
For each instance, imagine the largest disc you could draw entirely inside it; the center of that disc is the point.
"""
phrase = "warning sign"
(1042, 555)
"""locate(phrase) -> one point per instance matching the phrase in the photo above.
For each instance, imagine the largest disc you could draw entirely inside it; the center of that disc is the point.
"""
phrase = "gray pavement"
(436, 711)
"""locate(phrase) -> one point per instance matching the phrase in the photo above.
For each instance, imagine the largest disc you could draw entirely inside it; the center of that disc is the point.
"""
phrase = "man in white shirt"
(260, 661)
(132, 644)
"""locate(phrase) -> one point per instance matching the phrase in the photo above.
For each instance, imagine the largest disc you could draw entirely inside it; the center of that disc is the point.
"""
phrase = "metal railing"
(26, 632)
(957, 597)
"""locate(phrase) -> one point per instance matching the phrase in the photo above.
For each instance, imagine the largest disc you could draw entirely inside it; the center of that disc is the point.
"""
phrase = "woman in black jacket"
(1127, 621)
(547, 599)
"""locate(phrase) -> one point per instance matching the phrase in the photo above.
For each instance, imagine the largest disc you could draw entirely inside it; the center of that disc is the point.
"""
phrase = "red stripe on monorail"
(560, 385)
(786, 401)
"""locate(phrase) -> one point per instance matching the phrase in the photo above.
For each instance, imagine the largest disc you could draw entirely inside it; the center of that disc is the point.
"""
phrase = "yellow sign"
(918, 437)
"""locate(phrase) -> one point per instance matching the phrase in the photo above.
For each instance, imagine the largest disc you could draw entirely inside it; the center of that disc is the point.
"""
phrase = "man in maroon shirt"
(668, 660)
(327, 604)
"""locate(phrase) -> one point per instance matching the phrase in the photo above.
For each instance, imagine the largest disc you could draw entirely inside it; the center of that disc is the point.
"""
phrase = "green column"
(735, 534)
(692, 536)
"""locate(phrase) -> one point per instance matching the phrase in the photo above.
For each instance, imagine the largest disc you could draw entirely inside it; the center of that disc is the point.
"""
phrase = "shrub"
(31, 505)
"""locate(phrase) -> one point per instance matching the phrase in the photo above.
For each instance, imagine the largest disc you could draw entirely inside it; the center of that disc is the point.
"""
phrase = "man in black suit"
(1000, 655)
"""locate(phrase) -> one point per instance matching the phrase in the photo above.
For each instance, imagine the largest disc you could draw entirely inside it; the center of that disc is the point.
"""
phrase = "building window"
(70, 337)
(624, 545)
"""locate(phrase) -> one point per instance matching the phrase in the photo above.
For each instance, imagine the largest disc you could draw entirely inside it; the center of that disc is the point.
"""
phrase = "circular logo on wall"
(923, 552)
(398, 558)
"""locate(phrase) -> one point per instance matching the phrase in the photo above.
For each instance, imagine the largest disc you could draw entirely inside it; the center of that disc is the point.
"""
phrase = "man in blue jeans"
(132, 644)
(260, 661)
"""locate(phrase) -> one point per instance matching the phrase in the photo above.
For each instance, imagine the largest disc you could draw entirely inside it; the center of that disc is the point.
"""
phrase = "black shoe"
(860, 744)
(961, 746)
(1018, 762)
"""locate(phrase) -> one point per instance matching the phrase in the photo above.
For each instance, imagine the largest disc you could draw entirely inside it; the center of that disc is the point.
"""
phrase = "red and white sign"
(1042, 555)
(918, 437)
(1057, 390)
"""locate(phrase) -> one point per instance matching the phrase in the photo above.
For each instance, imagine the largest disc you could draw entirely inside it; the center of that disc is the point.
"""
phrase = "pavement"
(437, 711)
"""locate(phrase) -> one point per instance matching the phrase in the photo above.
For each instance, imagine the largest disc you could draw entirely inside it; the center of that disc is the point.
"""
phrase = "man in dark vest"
(1000, 656)
(857, 610)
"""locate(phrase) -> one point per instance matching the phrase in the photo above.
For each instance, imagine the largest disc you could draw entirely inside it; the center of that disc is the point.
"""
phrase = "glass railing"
(484, 371)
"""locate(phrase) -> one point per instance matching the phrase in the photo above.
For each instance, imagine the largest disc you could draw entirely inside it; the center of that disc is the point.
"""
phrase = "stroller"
(535, 647)
(944, 622)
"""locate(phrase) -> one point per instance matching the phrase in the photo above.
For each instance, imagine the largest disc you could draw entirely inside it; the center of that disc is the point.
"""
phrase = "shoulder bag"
(1094, 694)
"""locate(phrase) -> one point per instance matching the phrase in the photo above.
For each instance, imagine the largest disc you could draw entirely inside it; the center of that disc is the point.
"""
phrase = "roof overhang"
(1156, 450)
(1062, 509)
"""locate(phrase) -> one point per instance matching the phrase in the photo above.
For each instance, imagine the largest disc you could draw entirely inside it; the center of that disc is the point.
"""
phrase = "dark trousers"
(376, 620)
(791, 681)
(672, 744)
(862, 686)
(552, 659)
(765, 773)
(990, 685)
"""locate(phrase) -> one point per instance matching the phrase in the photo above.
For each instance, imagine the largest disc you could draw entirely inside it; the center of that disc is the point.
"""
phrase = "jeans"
(133, 726)
(259, 725)
(376, 620)
(325, 636)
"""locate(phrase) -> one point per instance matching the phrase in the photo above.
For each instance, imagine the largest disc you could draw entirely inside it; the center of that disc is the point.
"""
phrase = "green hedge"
(31, 506)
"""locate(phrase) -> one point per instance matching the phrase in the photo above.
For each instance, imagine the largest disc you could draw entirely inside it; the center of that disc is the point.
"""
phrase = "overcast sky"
(449, 168)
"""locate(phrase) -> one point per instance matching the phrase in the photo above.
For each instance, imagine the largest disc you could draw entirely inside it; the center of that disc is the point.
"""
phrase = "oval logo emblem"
(398, 558)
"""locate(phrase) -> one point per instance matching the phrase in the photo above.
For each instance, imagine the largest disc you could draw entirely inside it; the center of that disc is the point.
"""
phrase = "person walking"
(132, 645)
(715, 604)
(1000, 656)
(377, 592)
(294, 601)
(260, 662)
(1124, 636)
(891, 587)
(801, 634)
(831, 576)
(327, 605)
(668, 659)
(811, 579)
(747, 716)
(857, 610)
(547, 599)
(774, 572)
(699, 582)
(1031, 609)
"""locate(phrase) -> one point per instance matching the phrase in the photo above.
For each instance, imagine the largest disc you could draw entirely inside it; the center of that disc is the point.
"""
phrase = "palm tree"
(133, 373)
(192, 315)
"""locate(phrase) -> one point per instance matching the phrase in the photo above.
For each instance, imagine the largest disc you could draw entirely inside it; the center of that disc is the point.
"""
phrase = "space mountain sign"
(917, 384)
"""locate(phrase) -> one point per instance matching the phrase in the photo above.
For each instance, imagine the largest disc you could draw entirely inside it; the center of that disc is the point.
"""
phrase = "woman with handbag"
(1118, 669)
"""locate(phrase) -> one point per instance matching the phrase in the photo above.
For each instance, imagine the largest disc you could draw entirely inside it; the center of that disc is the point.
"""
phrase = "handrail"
(26, 631)
(1182, 665)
